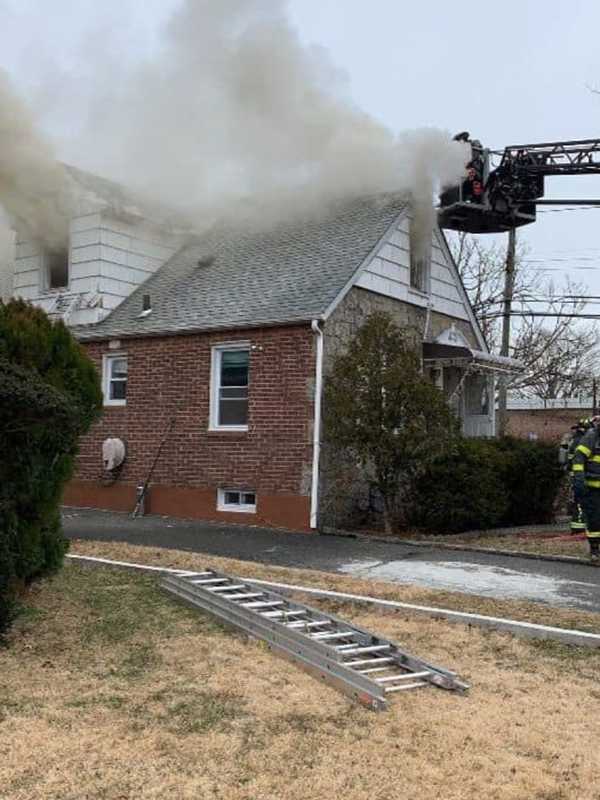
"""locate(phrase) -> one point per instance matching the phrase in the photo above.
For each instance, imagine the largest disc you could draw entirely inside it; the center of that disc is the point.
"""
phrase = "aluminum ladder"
(361, 664)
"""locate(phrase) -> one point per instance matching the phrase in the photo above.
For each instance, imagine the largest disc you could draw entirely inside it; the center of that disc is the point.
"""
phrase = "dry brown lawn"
(551, 543)
(513, 609)
(110, 690)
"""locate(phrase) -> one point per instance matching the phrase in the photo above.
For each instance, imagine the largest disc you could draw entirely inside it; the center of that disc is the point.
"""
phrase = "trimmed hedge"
(49, 395)
(488, 483)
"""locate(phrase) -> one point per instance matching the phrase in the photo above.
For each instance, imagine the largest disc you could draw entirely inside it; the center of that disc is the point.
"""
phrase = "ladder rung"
(404, 686)
(339, 635)
(277, 614)
(263, 604)
(309, 624)
(245, 596)
(230, 587)
(368, 661)
(405, 676)
(373, 669)
(206, 581)
(375, 648)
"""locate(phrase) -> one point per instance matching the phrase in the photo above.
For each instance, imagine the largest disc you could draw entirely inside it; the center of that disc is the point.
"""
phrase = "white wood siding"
(388, 273)
(108, 257)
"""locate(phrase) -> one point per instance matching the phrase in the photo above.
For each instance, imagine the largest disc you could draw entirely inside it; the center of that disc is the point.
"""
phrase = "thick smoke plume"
(233, 116)
(235, 113)
(32, 185)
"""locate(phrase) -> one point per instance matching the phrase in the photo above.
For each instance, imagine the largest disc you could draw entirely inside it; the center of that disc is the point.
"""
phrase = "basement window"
(229, 387)
(56, 266)
(114, 381)
(236, 500)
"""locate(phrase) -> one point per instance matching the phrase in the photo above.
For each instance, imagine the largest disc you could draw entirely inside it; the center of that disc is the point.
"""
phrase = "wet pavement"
(506, 577)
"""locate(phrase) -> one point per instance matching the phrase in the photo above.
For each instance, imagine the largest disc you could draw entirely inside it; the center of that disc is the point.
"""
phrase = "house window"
(229, 387)
(236, 500)
(478, 396)
(115, 380)
(420, 259)
(56, 264)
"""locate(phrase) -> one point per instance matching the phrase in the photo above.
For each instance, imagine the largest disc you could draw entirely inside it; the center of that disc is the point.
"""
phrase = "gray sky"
(510, 73)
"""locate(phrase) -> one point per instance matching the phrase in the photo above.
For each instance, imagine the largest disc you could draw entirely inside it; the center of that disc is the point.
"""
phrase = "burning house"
(212, 348)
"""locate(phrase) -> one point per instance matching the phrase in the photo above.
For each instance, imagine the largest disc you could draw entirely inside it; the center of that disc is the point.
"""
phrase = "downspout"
(314, 491)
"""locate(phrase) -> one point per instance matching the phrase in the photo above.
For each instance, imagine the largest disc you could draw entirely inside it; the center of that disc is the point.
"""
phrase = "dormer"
(113, 246)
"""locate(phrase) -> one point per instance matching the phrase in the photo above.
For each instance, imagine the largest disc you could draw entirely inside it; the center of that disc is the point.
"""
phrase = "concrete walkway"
(485, 574)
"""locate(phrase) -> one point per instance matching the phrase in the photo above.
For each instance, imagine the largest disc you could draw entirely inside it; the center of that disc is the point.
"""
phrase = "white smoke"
(32, 185)
(233, 115)
(234, 108)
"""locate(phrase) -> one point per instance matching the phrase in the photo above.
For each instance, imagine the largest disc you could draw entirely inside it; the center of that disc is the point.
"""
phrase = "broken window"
(229, 399)
(57, 269)
(420, 258)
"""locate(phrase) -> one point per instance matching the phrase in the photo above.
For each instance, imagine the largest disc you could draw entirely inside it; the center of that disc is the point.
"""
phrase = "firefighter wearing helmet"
(585, 470)
(567, 450)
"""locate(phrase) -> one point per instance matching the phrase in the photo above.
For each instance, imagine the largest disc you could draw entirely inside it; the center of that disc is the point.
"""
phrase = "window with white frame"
(115, 380)
(236, 500)
(229, 387)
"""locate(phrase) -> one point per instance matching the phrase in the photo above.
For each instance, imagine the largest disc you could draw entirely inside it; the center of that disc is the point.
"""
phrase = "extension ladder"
(364, 666)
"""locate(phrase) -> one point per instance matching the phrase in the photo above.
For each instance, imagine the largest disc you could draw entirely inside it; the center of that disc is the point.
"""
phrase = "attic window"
(57, 268)
(420, 260)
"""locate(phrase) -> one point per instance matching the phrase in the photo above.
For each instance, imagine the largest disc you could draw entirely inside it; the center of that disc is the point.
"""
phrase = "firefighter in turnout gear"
(567, 450)
(586, 477)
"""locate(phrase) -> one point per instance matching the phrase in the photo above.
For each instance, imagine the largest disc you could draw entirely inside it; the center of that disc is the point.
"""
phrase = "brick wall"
(545, 424)
(171, 375)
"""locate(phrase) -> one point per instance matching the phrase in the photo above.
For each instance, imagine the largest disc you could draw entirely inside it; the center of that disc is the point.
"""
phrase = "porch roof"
(436, 354)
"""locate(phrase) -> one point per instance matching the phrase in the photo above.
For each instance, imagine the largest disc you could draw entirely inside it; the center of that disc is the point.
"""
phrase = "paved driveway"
(556, 583)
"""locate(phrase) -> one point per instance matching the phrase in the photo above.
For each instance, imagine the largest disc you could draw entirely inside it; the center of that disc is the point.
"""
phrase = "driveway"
(488, 575)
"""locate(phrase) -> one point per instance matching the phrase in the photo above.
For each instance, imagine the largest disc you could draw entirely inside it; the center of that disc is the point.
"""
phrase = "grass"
(519, 610)
(552, 542)
(114, 691)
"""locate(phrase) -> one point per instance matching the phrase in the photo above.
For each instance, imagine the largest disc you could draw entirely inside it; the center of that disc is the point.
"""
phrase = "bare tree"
(559, 352)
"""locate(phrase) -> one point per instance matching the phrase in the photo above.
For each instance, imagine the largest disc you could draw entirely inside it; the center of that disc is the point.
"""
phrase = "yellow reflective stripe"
(593, 484)
(583, 449)
(596, 459)
(577, 468)
(593, 534)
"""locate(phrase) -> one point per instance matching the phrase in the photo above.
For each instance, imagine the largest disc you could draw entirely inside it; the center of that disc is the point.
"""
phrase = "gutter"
(314, 490)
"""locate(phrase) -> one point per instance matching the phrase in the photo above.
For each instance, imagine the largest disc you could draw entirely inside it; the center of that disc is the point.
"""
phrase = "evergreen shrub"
(49, 396)
(488, 483)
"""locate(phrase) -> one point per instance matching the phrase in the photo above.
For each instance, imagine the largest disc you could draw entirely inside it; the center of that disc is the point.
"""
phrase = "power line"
(555, 315)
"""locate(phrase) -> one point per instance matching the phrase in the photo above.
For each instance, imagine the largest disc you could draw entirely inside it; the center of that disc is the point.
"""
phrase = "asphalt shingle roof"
(239, 278)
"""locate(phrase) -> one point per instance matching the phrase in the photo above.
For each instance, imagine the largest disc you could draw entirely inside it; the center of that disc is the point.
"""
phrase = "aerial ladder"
(495, 199)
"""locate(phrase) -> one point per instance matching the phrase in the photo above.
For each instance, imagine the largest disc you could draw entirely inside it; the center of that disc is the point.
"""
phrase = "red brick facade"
(171, 376)
(545, 424)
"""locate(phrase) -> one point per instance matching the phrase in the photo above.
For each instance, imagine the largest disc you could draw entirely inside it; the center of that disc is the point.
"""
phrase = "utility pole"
(509, 285)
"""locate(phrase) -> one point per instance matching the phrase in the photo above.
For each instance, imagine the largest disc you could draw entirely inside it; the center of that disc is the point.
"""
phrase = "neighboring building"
(213, 362)
(546, 420)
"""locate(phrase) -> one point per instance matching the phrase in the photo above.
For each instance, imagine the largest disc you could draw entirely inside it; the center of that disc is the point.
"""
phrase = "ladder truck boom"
(496, 199)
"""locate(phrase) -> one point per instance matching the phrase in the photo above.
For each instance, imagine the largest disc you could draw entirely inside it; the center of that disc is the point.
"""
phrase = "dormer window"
(56, 269)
